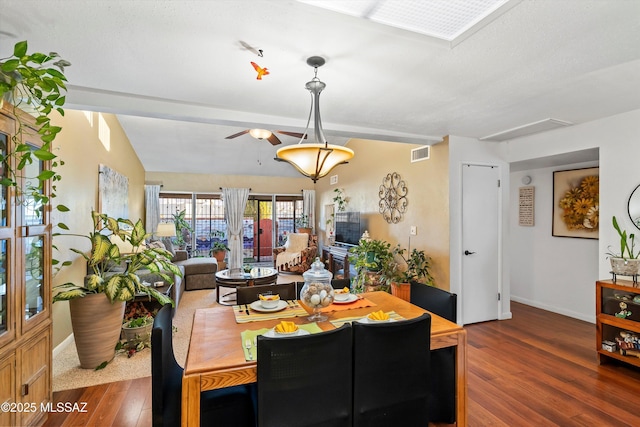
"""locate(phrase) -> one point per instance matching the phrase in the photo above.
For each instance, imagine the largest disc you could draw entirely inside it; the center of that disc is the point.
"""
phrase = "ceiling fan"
(267, 134)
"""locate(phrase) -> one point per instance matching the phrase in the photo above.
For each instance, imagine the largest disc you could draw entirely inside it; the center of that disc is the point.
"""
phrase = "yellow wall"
(79, 146)
(428, 196)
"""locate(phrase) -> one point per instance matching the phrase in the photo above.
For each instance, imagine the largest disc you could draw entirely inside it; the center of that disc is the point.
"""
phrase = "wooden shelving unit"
(609, 295)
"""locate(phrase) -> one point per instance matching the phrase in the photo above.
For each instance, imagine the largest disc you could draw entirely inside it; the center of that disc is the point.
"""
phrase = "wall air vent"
(420, 153)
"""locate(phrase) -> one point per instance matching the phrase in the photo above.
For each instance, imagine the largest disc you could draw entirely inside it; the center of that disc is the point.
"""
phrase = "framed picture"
(576, 203)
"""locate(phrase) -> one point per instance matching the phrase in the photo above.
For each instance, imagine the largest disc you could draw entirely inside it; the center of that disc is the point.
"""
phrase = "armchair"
(297, 254)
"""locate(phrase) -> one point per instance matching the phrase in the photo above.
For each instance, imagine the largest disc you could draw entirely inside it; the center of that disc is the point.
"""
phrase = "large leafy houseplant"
(105, 257)
(97, 305)
(33, 82)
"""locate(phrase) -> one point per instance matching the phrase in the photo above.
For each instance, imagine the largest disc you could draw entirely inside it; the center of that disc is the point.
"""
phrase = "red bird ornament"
(261, 71)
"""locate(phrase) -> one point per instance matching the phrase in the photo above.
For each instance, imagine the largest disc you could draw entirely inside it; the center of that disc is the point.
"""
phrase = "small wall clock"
(393, 198)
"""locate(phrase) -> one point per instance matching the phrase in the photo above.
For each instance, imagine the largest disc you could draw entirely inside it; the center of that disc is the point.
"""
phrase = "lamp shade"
(166, 229)
(315, 160)
(260, 133)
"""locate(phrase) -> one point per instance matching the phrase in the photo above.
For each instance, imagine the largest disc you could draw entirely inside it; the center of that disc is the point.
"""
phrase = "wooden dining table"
(216, 357)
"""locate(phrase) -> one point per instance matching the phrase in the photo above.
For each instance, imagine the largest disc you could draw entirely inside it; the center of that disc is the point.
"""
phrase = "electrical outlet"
(414, 230)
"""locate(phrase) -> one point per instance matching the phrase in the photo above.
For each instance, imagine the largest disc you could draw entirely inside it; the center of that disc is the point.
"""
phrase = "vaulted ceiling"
(178, 73)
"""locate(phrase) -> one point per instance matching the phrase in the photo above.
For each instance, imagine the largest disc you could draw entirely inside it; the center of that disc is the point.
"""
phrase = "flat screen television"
(347, 228)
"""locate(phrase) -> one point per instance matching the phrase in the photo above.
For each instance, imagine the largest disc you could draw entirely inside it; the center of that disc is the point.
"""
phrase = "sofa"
(199, 272)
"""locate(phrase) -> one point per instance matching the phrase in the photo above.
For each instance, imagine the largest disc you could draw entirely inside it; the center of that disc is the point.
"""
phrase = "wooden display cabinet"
(25, 289)
(616, 313)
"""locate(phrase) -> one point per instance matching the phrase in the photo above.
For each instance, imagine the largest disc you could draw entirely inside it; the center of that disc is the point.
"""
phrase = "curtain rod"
(221, 188)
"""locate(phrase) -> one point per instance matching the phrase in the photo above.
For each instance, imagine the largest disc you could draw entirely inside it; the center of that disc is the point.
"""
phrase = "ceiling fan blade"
(273, 139)
(294, 134)
(237, 134)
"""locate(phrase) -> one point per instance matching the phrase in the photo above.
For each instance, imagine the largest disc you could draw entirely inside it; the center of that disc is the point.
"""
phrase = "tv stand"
(337, 260)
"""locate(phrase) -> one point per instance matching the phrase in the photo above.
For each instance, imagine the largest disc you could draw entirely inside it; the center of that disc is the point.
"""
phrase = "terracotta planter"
(96, 328)
(401, 290)
(219, 256)
(304, 230)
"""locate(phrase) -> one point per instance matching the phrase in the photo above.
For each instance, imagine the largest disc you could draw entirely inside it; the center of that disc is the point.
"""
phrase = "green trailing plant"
(627, 243)
(118, 284)
(339, 199)
(34, 82)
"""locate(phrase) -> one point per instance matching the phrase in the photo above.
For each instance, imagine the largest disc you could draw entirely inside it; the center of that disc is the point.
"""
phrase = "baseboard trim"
(63, 345)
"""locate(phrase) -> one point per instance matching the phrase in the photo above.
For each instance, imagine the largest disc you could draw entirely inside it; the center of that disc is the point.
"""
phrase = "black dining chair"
(442, 398)
(229, 407)
(391, 373)
(306, 380)
(249, 294)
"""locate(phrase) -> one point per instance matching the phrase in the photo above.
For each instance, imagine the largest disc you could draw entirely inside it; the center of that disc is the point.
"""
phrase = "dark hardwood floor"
(537, 369)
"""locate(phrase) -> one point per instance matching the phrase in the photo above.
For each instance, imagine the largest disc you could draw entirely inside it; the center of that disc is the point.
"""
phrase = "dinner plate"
(367, 320)
(257, 306)
(272, 334)
(352, 298)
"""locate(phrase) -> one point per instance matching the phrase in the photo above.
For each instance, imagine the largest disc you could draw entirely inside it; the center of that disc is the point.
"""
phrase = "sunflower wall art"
(576, 203)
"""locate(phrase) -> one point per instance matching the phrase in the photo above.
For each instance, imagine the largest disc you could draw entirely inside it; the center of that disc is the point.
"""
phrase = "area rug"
(67, 373)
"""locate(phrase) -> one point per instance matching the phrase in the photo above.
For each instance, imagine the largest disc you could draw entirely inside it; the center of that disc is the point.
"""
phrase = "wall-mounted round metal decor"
(393, 198)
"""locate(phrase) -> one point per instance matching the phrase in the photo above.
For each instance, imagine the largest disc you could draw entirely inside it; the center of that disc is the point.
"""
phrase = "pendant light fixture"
(315, 160)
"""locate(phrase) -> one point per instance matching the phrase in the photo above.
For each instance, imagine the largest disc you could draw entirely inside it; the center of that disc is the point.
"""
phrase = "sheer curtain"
(152, 207)
(309, 207)
(235, 201)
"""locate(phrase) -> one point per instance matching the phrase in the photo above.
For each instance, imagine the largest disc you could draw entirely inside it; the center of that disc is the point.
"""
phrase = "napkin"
(344, 290)
(285, 327)
(378, 315)
(269, 297)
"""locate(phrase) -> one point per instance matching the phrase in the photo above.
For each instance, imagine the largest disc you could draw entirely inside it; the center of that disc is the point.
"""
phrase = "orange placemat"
(360, 303)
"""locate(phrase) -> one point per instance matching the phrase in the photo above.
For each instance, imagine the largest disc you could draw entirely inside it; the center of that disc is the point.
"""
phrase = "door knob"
(468, 253)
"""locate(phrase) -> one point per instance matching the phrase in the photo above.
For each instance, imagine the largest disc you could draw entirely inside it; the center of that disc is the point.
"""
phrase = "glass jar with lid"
(317, 291)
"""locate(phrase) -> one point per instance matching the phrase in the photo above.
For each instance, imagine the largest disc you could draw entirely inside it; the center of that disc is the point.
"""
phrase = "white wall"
(559, 273)
(552, 273)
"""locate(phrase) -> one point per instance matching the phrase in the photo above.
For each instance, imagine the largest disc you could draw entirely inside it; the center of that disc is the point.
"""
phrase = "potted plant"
(626, 261)
(136, 333)
(33, 82)
(97, 306)
(219, 248)
(183, 228)
(303, 224)
(416, 269)
(374, 263)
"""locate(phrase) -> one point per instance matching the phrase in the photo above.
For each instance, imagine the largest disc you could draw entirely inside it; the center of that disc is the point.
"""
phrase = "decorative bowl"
(269, 301)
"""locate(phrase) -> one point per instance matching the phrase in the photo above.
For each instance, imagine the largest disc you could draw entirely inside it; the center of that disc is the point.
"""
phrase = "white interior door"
(480, 221)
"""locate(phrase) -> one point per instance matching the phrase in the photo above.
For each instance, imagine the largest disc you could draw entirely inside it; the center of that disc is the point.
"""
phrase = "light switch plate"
(414, 230)
(333, 179)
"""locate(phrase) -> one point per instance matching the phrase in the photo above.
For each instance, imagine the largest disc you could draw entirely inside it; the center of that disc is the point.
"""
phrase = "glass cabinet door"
(4, 312)
(34, 269)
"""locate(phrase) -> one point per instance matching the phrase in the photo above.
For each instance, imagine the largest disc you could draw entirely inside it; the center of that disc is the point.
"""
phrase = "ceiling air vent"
(420, 153)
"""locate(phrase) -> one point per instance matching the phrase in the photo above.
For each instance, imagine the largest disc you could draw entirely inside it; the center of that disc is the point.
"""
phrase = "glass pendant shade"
(260, 133)
(315, 160)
